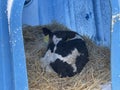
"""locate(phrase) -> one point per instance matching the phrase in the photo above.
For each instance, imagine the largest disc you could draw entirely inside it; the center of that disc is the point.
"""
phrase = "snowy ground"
(107, 86)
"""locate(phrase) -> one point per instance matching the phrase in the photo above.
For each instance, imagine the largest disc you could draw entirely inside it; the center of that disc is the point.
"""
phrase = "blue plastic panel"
(115, 46)
(13, 75)
(31, 13)
(89, 17)
(6, 70)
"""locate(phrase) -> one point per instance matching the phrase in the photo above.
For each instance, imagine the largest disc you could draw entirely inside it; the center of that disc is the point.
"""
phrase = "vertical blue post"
(17, 46)
(6, 70)
(13, 75)
(115, 47)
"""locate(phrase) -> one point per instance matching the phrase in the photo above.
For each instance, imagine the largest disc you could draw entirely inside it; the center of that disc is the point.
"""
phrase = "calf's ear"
(46, 31)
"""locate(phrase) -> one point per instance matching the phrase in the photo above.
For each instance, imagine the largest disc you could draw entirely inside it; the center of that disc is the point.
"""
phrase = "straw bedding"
(95, 73)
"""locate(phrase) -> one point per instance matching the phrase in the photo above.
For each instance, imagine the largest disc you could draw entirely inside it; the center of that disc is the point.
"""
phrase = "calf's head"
(58, 36)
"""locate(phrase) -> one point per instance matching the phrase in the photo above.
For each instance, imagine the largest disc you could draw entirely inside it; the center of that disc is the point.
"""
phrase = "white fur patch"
(51, 57)
(56, 40)
(77, 37)
(74, 67)
(48, 58)
(70, 59)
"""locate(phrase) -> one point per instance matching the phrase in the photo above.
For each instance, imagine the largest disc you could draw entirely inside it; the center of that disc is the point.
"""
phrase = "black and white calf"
(66, 54)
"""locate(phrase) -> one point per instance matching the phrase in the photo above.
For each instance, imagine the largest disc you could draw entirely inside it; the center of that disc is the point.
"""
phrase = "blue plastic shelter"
(87, 17)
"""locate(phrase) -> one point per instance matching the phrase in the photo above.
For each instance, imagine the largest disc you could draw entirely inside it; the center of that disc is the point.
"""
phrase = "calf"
(66, 54)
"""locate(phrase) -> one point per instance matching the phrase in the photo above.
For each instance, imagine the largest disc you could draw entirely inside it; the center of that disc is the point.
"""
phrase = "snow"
(115, 18)
(106, 86)
(9, 7)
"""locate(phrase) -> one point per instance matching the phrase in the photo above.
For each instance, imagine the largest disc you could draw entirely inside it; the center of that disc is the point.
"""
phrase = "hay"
(95, 73)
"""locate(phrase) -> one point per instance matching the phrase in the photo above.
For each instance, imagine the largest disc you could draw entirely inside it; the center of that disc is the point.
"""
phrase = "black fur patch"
(81, 61)
(65, 34)
(65, 48)
(62, 68)
(47, 32)
(51, 46)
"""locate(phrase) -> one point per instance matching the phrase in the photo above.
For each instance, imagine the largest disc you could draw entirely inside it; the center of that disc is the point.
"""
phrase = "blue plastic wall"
(6, 71)
(13, 75)
(115, 46)
(89, 17)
